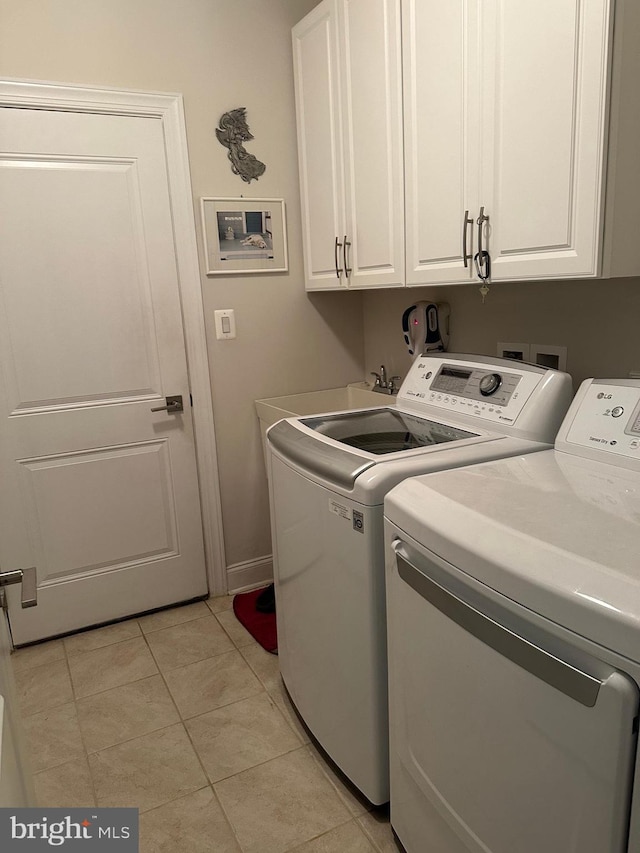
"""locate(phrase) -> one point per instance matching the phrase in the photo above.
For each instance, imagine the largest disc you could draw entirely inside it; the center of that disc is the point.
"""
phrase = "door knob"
(174, 404)
(28, 579)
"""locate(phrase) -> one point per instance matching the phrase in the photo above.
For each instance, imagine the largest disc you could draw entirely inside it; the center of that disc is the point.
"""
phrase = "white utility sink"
(355, 396)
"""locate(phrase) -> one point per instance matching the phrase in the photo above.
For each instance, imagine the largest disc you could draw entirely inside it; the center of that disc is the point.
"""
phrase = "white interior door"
(99, 493)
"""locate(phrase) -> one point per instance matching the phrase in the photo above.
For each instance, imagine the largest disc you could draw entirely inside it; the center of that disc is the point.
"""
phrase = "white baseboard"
(250, 574)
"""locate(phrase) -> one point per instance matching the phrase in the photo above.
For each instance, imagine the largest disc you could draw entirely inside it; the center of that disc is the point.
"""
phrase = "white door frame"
(169, 109)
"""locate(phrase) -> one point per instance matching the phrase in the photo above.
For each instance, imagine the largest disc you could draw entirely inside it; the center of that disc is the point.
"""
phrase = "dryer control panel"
(605, 417)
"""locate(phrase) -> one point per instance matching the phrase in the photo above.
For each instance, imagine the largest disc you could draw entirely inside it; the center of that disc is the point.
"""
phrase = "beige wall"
(596, 320)
(219, 54)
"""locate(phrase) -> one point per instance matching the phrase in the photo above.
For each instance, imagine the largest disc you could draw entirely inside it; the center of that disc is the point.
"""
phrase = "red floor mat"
(261, 626)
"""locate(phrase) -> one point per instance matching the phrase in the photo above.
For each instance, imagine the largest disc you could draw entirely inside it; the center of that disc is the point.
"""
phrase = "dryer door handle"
(563, 676)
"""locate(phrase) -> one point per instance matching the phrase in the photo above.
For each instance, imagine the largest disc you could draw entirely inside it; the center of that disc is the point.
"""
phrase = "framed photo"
(244, 235)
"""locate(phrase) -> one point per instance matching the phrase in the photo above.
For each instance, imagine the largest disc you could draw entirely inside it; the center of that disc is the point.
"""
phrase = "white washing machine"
(328, 478)
(514, 643)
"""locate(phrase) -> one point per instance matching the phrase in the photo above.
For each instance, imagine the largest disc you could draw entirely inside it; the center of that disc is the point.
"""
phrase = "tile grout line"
(329, 774)
(369, 836)
(176, 625)
(184, 720)
(206, 775)
(91, 774)
(321, 835)
(181, 721)
(226, 817)
(213, 790)
(271, 697)
(303, 747)
(180, 717)
(82, 741)
(166, 684)
(135, 737)
(155, 732)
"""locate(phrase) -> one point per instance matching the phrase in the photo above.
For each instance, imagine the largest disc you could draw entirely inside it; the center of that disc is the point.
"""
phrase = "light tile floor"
(183, 715)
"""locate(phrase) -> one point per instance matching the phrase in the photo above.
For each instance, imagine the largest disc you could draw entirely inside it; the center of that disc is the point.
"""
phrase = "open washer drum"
(514, 643)
(328, 476)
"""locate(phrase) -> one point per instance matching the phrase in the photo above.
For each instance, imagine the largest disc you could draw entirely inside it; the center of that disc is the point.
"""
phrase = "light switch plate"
(225, 320)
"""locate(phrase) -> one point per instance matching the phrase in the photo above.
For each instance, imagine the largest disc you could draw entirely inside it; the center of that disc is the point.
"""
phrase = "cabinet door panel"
(440, 109)
(544, 89)
(319, 143)
(372, 81)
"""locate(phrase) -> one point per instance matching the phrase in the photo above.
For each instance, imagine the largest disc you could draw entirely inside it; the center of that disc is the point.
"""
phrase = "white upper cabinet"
(544, 78)
(320, 144)
(347, 67)
(520, 127)
(441, 139)
(515, 111)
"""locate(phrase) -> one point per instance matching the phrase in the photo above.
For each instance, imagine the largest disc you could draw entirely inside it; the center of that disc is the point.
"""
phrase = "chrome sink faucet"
(383, 385)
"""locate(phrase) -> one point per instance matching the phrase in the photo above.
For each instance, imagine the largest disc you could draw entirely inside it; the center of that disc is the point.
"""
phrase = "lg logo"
(602, 396)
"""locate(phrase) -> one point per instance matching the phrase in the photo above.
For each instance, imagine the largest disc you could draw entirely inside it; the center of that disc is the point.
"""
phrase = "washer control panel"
(608, 417)
(495, 392)
(476, 384)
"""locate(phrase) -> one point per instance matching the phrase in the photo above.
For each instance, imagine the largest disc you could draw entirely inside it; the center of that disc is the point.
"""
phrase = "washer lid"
(382, 431)
(556, 533)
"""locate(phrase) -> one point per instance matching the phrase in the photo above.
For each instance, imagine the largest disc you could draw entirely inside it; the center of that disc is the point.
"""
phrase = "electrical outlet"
(549, 355)
(513, 350)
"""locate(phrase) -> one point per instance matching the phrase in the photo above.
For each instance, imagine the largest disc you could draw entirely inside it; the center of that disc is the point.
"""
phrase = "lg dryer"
(328, 478)
(514, 643)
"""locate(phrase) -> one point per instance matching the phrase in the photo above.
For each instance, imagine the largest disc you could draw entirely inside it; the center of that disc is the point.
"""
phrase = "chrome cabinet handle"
(347, 268)
(482, 258)
(29, 580)
(480, 222)
(337, 246)
(174, 404)
(466, 255)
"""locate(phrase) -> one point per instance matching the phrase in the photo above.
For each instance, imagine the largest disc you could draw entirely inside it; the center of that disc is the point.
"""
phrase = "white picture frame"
(244, 236)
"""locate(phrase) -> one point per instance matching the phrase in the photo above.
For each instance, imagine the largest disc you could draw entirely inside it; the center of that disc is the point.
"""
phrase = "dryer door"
(498, 743)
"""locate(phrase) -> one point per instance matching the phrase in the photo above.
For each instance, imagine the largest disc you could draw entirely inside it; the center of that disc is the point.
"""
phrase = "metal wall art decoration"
(233, 131)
